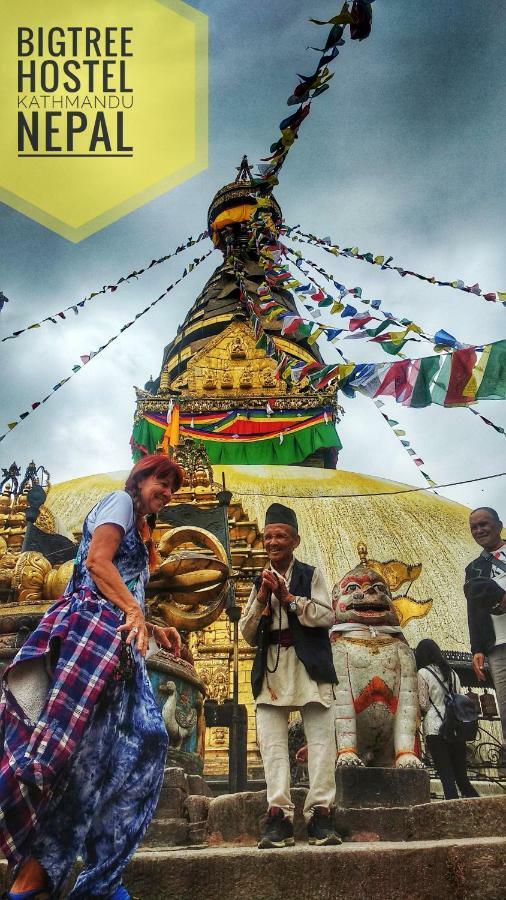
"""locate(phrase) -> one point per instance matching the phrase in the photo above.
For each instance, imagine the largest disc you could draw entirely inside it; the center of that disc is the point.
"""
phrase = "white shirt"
(290, 685)
(499, 622)
(116, 508)
(429, 690)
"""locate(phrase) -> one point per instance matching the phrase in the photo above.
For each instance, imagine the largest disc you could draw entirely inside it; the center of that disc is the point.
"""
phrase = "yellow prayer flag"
(477, 374)
(315, 335)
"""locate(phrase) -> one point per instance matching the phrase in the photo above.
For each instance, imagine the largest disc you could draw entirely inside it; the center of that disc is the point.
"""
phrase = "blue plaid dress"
(85, 778)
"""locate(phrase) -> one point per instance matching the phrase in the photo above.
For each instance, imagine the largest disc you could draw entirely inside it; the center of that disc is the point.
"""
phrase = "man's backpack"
(460, 721)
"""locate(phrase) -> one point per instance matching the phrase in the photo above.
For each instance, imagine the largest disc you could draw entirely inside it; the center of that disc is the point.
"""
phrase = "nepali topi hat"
(277, 514)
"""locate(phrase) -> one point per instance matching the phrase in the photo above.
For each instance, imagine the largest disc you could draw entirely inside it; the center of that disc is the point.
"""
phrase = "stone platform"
(377, 787)
(238, 818)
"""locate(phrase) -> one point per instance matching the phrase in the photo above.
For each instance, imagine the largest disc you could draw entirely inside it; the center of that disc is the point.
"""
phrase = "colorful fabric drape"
(245, 437)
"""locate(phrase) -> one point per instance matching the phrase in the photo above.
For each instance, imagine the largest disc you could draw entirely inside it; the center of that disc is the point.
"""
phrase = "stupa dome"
(413, 527)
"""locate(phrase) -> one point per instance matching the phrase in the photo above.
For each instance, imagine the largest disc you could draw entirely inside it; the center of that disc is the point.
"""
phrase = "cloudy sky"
(404, 155)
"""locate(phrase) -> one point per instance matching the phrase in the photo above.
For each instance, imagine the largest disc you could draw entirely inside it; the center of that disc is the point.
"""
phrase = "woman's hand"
(135, 628)
(168, 638)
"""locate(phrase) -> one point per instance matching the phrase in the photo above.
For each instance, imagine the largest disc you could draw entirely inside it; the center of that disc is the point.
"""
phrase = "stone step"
(465, 869)
(239, 816)
(454, 869)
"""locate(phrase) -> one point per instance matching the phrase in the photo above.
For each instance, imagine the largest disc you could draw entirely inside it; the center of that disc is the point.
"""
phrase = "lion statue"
(376, 697)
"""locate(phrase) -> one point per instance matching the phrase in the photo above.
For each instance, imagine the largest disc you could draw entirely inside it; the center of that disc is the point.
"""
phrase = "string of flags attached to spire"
(58, 317)
(465, 375)
(359, 19)
(401, 435)
(391, 342)
(484, 419)
(393, 424)
(295, 234)
(85, 358)
(332, 335)
(263, 305)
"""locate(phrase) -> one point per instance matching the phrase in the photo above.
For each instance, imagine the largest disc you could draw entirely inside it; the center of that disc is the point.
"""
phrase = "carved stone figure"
(180, 718)
(376, 698)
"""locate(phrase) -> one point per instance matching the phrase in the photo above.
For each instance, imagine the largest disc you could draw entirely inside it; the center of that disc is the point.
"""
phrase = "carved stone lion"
(376, 698)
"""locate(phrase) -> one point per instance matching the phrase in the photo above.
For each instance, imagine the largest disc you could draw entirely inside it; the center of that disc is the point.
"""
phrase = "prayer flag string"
(400, 434)
(384, 263)
(391, 342)
(497, 428)
(86, 358)
(58, 317)
(359, 19)
(462, 377)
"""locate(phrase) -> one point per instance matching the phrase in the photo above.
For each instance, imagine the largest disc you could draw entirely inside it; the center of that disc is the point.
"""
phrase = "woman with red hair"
(84, 742)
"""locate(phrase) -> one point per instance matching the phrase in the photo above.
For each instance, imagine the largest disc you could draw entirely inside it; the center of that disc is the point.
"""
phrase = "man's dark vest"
(312, 645)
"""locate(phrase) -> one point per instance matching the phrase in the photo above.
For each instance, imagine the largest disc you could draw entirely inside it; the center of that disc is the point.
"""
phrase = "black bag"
(460, 721)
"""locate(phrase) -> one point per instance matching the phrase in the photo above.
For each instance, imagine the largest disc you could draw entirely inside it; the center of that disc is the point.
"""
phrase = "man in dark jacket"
(485, 590)
(287, 617)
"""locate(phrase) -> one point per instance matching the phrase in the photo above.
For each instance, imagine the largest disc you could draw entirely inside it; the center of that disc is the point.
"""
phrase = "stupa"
(217, 374)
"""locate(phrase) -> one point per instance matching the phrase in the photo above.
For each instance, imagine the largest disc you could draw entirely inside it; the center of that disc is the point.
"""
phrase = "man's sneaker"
(277, 831)
(320, 828)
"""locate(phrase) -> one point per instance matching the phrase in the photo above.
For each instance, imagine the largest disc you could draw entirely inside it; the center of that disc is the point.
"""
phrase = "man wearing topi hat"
(287, 618)
(485, 590)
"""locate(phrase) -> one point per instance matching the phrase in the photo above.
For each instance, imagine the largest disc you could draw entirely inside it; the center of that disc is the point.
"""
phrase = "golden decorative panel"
(230, 364)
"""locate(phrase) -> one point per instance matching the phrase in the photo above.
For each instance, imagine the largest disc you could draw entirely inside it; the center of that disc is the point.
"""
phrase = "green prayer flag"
(429, 367)
(441, 382)
(303, 330)
(493, 383)
(392, 347)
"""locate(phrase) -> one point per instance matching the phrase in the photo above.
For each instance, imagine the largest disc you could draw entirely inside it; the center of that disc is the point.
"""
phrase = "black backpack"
(460, 721)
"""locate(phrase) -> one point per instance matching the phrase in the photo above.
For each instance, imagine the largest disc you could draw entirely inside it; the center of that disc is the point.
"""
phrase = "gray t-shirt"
(115, 509)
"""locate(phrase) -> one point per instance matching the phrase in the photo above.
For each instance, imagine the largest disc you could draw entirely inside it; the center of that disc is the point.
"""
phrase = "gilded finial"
(362, 553)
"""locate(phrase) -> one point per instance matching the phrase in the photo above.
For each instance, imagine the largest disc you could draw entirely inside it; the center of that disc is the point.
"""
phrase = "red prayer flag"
(463, 362)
